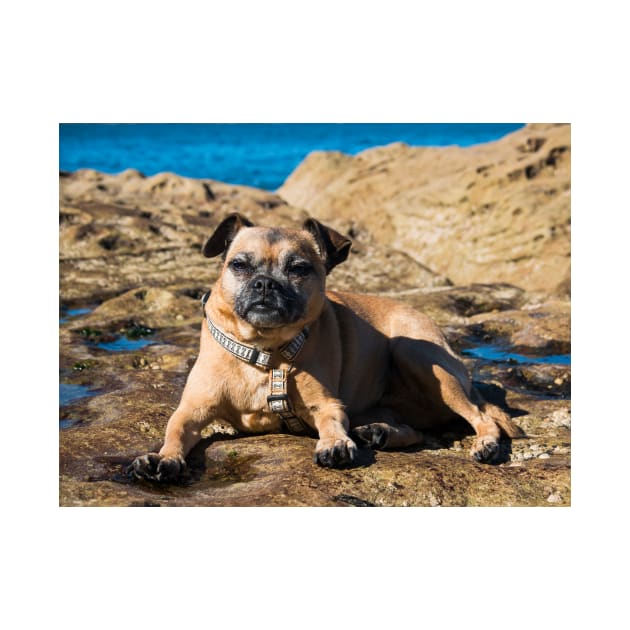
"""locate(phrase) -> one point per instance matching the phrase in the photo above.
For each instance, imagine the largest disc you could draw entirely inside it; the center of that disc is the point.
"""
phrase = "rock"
(554, 498)
(278, 470)
(121, 232)
(561, 417)
(487, 213)
(450, 305)
(545, 325)
(147, 306)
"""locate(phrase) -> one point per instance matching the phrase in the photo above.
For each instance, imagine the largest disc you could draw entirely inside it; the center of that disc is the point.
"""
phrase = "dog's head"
(275, 277)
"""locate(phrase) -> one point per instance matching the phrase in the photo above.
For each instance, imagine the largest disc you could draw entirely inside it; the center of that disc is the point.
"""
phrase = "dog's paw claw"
(333, 453)
(154, 467)
(485, 449)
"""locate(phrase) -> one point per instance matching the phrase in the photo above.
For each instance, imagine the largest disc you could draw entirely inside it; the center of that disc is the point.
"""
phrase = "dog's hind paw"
(154, 467)
(335, 453)
(373, 435)
(485, 449)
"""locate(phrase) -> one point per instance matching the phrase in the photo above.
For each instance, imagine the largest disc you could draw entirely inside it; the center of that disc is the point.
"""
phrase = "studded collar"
(254, 356)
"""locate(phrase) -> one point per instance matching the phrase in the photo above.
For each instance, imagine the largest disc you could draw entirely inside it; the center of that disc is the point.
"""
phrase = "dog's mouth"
(269, 306)
(266, 314)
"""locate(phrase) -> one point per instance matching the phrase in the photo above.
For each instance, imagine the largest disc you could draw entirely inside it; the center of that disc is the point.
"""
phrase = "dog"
(280, 352)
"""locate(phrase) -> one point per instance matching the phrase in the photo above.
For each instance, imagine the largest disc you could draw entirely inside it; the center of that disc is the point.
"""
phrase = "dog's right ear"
(219, 242)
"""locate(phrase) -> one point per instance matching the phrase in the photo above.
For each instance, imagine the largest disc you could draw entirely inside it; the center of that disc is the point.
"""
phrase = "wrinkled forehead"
(272, 244)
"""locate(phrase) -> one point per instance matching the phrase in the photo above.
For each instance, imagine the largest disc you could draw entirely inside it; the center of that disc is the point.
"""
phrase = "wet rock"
(551, 380)
(542, 325)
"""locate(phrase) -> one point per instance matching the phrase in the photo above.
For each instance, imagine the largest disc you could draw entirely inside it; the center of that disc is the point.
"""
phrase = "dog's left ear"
(333, 247)
(219, 242)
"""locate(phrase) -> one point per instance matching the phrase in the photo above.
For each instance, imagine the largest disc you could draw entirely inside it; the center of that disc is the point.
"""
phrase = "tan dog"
(278, 351)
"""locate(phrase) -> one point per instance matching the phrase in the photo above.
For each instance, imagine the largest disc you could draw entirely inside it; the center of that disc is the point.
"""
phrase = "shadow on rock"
(451, 436)
(365, 457)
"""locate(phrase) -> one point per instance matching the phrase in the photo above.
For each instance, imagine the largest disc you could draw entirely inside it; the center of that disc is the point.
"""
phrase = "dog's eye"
(239, 265)
(300, 269)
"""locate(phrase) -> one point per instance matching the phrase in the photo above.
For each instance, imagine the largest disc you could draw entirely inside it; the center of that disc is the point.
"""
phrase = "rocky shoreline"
(478, 238)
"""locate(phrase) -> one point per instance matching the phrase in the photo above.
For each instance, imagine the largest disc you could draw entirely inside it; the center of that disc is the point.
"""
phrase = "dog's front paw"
(485, 449)
(335, 452)
(157, 468)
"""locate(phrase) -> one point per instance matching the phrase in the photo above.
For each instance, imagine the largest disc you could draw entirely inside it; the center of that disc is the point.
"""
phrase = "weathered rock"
(448, 305)
(146, 306)
(543, 326)
(118, 233)
(496, 212)
(277, 470)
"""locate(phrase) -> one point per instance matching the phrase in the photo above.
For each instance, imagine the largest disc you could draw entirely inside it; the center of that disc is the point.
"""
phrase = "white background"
(313, 62)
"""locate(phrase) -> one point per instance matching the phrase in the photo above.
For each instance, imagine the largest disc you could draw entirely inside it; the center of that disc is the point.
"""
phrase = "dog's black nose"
(265, 284)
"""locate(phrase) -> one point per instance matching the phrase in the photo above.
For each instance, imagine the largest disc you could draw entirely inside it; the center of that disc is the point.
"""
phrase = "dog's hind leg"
(443, 378)
(486, 445)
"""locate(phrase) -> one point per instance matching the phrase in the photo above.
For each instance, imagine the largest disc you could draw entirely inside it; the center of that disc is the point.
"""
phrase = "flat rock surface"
(131, 274)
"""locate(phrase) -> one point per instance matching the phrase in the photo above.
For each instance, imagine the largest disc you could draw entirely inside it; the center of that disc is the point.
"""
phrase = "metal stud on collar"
(249, 354)
(278, 401)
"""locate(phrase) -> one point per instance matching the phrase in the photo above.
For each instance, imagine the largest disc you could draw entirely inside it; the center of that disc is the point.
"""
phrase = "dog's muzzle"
(267, 303)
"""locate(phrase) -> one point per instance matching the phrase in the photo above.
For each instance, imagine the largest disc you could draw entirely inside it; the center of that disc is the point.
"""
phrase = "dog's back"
(387, 317)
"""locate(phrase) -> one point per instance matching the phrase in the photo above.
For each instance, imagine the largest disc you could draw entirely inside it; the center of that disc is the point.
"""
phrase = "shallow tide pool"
(502, 354)
(125, 344)
(69, 392)
(68, 314)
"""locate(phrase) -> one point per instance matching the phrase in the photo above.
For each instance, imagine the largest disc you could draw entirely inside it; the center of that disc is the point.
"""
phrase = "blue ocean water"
(262, 155)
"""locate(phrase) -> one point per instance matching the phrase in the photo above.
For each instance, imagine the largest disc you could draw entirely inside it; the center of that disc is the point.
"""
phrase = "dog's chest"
(260, 422)
(249, 401)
